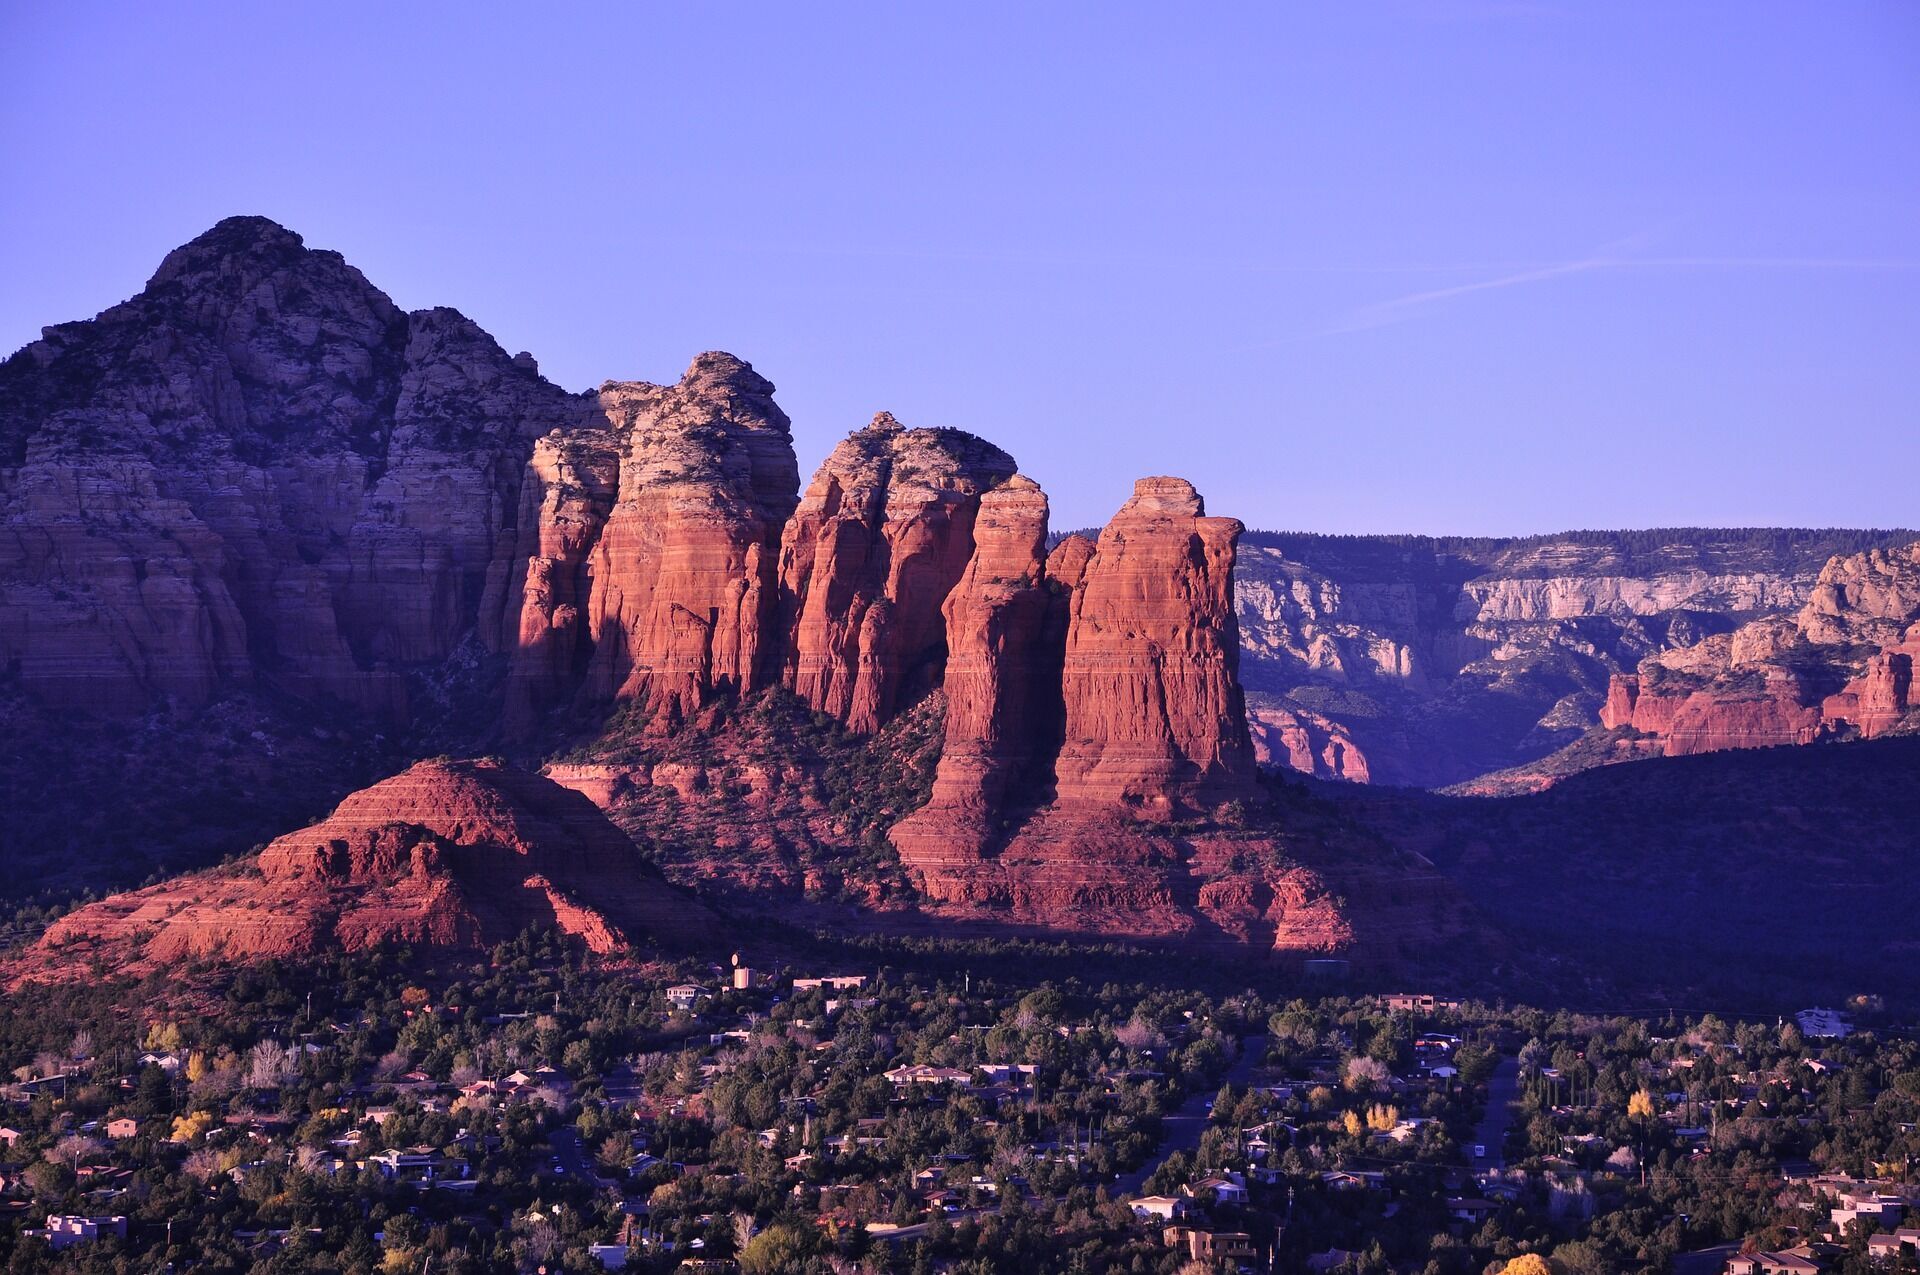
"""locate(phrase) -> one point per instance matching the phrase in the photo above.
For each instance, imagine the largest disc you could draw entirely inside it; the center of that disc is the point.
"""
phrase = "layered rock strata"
(444, 855)
(1004, 709)
(1300, 740)
(258, 471)
(1840, 666)
(881, 536)
(1155, 719)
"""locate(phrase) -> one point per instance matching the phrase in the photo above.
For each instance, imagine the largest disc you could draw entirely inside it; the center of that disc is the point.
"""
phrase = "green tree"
(776, 1249)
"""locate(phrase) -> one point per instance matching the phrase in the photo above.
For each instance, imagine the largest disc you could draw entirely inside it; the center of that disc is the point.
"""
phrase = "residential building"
(64, 1230)
(1164, 1207)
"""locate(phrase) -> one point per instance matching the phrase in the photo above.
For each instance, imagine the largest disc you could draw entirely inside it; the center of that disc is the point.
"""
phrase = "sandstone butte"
(260, 473)
(460, 854)
(1842, 666)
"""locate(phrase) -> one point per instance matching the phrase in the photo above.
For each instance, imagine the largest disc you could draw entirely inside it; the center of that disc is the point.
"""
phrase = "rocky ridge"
(260, 476)
(257, 472)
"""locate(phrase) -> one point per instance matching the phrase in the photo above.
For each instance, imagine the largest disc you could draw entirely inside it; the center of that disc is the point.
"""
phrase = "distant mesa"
(1439, 661)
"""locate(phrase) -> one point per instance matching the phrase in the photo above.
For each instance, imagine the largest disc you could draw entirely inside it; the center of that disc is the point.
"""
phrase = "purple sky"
(1448, 267)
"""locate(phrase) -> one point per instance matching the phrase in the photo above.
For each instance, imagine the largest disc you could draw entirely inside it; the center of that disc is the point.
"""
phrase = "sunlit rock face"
(1002, 684)
(1842, 665)
(683, 570)
(1155, 720)
(881, 536)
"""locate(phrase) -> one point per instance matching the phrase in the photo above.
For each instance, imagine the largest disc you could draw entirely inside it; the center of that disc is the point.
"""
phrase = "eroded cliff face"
(258, 471)
(1098, 682)
(1431, 661)
(1003, 711)
(261, 474)
(1141, 724)
(444, 855)
(1841, 666)
(1304, 741)
(882, 535)
(1155, 721)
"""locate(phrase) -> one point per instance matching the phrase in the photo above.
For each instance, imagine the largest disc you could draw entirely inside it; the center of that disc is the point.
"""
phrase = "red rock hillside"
(1842, 666)
(447, 854)
(260, 476)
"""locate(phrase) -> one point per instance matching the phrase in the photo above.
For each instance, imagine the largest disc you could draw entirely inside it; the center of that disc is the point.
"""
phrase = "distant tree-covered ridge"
(1622, 551)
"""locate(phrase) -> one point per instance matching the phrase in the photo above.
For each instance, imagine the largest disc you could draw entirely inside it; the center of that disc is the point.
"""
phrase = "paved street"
(572, 1155)
(1502, 1086)
(1184, 1126)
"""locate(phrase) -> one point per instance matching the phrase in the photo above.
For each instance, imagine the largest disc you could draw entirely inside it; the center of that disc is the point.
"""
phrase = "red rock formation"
(683, 571)
(1067, 561)
(1770, 715)
(1155, 721)
(1879, 699)
(1306, 742)
(1755, 687)
(1154, 726)
(1001, 684)
(1623, 690)
(880, 538)
(570, 488)
(446, 854)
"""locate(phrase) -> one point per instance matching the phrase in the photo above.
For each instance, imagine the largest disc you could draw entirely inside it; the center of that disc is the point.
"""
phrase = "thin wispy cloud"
(1398, 309)
(1415, 305)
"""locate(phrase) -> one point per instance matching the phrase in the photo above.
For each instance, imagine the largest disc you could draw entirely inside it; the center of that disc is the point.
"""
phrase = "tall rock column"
(569, 490)
(1002, 684)
(880, 538)
(1155, 720)
(683, 573)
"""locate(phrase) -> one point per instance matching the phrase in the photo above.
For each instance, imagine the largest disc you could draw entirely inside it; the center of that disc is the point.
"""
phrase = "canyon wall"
(1430, 661)
(1840, 666)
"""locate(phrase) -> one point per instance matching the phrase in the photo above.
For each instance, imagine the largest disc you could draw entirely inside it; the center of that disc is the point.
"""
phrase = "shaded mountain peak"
(235, 245)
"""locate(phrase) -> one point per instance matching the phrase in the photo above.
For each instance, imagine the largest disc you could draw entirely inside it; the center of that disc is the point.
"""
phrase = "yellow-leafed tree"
(1527, 1264)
